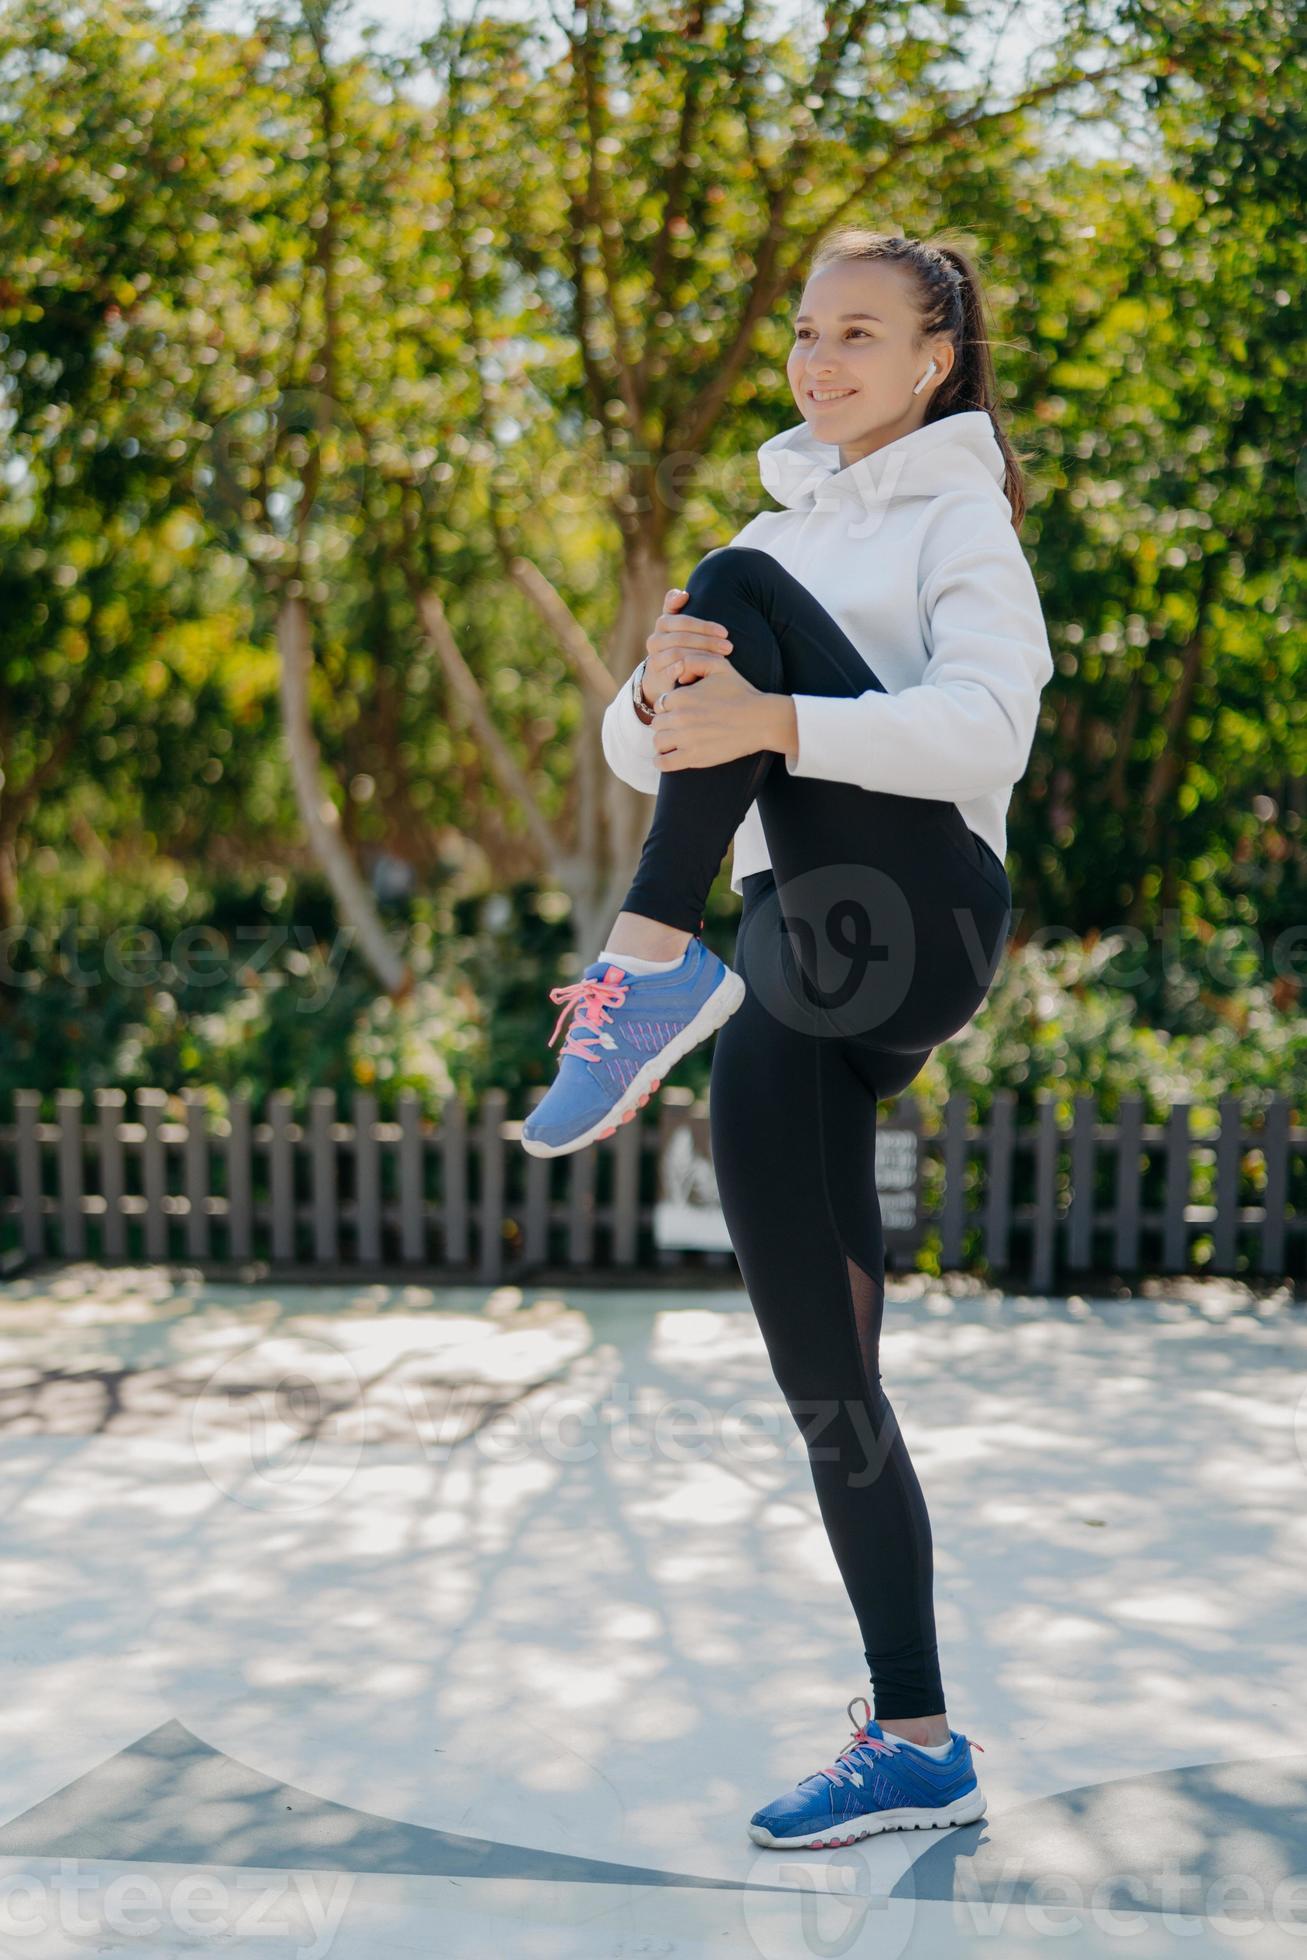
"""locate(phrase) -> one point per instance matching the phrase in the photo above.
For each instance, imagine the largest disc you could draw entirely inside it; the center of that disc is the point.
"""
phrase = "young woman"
(851, 693)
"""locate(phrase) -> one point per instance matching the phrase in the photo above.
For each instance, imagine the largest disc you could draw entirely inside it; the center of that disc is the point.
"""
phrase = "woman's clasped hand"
(706, 711)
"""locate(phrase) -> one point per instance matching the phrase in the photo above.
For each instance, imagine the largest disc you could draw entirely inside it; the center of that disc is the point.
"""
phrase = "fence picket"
(195, 1165)
(1080, 1212)
(27, 1117)
(582, 1166)
(1175, 1236)
(150, 1106)
(281, 1174)
(240, 1179)
(1275, 1150)
(1043, 1234)
(998, 1203)
(322, 1172)
(412, 1235)
(535, 1241)
(367, 1180)
(1229, 1152)
(628, 1155)
(110, 1105)
(953, 1218)
(1129, 1173)
(494, 1107)
(453, 1172)
(72, 1219)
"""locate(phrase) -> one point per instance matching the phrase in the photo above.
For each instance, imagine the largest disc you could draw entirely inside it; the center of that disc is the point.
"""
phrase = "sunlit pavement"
(376, 1620)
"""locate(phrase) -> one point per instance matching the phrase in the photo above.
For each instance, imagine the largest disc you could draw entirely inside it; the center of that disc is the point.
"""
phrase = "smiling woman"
(851, 691)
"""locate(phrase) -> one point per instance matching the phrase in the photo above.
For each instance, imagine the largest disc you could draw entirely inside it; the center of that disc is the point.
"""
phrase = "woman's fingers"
(688, 665)
(672, 620)
(683, 647)
(679, 635)
(711, 629)
(699, 633)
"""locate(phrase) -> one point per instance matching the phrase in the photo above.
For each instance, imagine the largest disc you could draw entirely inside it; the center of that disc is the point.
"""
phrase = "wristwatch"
(642, 707)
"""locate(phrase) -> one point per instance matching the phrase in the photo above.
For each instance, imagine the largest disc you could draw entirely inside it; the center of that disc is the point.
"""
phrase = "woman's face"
(867, 366)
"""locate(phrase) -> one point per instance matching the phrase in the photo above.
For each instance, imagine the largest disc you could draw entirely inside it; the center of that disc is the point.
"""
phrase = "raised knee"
(733, 578)
(735, 563)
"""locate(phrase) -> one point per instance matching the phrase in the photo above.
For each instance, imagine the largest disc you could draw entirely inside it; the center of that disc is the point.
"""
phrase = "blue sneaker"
(878, 1782)
(627, 1032)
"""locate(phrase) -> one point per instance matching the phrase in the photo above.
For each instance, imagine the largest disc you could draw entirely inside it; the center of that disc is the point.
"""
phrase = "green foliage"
(1063, 1019)
(244, 988)
(270, 312)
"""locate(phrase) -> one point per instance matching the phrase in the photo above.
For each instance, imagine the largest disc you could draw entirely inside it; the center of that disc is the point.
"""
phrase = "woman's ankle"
(646, 939)
(927, 1729)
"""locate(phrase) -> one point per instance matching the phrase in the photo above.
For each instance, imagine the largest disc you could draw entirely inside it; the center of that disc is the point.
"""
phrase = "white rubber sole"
(719, 1007)
(963, 1810)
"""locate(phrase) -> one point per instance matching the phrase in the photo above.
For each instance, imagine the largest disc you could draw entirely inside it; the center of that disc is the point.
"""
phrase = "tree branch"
(466, 689)
(562, 622)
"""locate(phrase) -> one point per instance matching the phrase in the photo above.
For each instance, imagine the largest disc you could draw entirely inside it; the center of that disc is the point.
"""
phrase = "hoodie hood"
(958, 452)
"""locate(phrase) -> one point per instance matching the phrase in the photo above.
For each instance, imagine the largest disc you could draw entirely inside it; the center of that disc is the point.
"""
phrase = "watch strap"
(642, 708)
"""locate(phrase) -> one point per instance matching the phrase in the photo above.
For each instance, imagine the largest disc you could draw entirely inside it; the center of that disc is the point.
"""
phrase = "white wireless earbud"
(932, 369)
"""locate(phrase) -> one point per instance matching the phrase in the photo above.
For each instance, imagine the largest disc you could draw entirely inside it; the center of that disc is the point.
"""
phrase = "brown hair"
(952, 302)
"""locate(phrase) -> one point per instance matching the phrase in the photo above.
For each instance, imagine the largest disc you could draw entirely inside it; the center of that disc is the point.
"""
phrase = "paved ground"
(367, 1621)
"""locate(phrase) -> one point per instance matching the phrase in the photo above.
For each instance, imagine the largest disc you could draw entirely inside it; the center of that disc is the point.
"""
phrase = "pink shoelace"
(844, 1765)
(589, 1001)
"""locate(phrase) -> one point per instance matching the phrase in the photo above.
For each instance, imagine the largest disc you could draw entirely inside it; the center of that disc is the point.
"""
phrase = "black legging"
(874, 937)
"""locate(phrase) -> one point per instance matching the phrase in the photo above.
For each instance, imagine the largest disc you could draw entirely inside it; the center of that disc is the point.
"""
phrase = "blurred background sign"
(687, 1213)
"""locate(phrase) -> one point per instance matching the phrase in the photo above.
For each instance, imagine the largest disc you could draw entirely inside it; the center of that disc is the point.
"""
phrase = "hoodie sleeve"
(628, 742)
(967, 727)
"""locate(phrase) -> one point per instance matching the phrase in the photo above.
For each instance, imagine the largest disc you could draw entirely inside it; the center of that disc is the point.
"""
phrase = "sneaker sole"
(719, 1007)
(965, 1809)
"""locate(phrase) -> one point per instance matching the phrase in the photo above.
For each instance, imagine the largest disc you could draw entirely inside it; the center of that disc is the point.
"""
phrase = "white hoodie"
(913, 552)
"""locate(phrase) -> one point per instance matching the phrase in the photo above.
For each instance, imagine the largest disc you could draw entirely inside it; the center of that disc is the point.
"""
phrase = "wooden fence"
(1036, 1203)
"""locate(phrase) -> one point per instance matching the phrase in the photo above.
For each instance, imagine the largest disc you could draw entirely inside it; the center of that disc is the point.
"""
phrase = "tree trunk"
(645, 580)
(321, 819)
